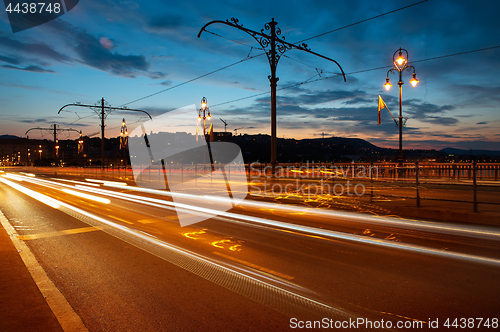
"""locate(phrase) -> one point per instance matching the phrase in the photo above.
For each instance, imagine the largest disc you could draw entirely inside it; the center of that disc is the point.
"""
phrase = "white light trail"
(108, 183)
(87, 196)
(277, 225)
(40, 197)
(414, 224)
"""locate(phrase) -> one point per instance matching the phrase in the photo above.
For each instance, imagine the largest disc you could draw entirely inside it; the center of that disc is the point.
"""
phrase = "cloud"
(10, 59)
(165, 23)
(93, 54)
(38, 88)
(35, 121)
(470, 94)
(419, 109)
(358, 100)
(32, 68)
(439, 120)
(86, 48)
(38, 49)
(482, 123)
(157, 75)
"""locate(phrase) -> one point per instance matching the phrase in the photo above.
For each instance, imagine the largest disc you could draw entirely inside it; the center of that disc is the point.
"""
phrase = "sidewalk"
(22, 305)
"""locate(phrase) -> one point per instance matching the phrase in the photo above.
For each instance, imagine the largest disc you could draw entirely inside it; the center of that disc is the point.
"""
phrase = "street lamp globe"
(414, 80)
(387, 85)
(203, 103)
(400, 60)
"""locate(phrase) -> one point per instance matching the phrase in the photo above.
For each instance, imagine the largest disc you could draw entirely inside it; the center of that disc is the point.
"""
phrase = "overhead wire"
(193, 79)
(354, 72)
(251, 48)
(234, 41)
(362, 21)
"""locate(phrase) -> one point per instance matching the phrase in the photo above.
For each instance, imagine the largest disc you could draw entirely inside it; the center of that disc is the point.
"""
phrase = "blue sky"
(126, 50)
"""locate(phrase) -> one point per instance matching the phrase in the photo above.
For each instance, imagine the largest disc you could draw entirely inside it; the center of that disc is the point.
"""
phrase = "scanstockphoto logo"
(28, 14)
(171, 153)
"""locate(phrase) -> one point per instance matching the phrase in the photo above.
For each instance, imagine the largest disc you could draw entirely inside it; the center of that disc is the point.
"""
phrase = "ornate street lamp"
(206, 114)
(400, 60)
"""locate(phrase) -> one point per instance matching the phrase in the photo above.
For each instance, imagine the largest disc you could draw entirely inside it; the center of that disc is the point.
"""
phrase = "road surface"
(124, 263)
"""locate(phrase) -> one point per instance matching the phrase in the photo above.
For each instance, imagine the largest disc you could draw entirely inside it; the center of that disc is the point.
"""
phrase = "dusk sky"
(127, 50)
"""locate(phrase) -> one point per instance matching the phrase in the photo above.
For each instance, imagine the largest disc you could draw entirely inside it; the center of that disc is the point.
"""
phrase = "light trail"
(277, 225)
(108, 183)
(87, 196)
(210, 269)
(39, 197)
(78, 182)
(419, 225)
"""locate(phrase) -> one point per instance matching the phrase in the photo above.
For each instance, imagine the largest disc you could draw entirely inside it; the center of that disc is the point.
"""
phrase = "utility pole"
(275, 47)
(102, 132)
(54, 131)
(102, 115)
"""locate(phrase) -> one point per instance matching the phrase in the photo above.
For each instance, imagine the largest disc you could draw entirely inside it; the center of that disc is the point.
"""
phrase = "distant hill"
(356, 143)
(468, 152)
(8, 137)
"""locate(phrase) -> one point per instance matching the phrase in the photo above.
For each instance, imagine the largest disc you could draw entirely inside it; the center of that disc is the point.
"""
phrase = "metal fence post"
(417, 170)
(474, 184)
(371, 182)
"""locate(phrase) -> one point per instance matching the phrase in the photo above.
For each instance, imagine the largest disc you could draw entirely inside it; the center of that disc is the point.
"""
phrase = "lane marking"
(147, 221)
(67, 317)
(60, 233)
(257, 267)
(120, 219)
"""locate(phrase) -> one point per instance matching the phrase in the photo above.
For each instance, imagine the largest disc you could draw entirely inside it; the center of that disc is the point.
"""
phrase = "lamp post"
(400, 60)
(123, 135)
(206, 117)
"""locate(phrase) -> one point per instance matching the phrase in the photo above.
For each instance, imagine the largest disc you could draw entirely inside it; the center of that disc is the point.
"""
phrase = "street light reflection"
(191, 235)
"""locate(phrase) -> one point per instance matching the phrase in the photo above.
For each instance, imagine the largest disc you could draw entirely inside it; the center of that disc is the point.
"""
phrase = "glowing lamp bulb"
(387, 85)
(199, 118)
(208, 117)
(400, 60)
(414, 81)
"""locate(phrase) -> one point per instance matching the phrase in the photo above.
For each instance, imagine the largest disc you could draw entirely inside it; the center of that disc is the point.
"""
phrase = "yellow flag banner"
(381, 106)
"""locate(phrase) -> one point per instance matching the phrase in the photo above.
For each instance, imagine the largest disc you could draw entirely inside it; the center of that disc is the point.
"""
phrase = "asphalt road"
(125, 264)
